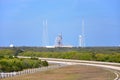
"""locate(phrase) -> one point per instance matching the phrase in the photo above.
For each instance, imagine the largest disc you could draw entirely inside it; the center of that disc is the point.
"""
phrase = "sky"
(21, 22)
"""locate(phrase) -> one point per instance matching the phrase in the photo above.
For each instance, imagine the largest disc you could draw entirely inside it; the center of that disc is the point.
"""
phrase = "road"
(114, 67)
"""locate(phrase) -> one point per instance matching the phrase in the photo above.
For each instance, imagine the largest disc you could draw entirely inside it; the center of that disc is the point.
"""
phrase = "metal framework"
(59, 40)
(45, 34)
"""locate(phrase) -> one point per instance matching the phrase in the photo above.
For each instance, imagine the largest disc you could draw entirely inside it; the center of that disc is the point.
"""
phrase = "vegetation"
(108, 54)
(7, 52)
(113, 57)
(8, 63)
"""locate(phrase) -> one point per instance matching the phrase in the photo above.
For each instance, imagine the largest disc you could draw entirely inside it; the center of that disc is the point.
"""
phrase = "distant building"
(67, 46)
(58, 41)
(50, 46)
(11, 45)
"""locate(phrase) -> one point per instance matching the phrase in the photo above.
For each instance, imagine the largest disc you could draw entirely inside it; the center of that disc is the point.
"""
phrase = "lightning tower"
(80, 40)
(45, 34)
(82, 36)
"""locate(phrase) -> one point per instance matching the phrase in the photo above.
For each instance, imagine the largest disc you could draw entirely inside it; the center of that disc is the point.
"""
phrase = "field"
(76, 72)
(105, 54)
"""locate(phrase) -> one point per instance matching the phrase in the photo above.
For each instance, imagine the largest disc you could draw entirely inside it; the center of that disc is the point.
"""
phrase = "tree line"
(110, 54)
(112, 57)
(11, 64)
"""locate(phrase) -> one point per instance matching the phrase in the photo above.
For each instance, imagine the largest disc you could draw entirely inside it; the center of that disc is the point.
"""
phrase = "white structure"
(67, 46)
(45, 34)
(11, 45)
(83, 33)
(80, 40)
(58, 41)
(82, 36)
(50, 46)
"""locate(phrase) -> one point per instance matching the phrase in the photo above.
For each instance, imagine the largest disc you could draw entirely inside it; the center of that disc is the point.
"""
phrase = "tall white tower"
(83, 33)
(45, 34)
(81, 37)
(80, 40)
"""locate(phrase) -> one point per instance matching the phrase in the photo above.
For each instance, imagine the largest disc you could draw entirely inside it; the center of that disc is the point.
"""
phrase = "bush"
(109, 57)
(44, 63)
(16, 64)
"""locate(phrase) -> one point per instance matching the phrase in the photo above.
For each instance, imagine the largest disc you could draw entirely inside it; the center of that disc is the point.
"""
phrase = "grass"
(76, 72)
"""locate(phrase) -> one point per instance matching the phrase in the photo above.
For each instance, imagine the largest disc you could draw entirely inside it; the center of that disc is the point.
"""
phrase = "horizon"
(22, 22)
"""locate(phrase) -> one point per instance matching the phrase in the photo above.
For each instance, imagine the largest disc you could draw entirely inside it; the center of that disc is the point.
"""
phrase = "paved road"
(114, 67)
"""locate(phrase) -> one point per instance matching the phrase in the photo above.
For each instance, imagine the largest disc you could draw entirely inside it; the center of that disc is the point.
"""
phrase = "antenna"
(83, 33)
(45, 34)
(80, 40)
(81, 37)
(83, 44)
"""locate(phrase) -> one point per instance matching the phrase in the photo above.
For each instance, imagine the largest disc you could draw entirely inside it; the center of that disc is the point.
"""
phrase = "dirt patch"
(76, 72)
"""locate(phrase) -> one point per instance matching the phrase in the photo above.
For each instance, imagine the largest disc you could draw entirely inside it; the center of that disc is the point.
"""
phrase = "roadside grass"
(75, 72)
